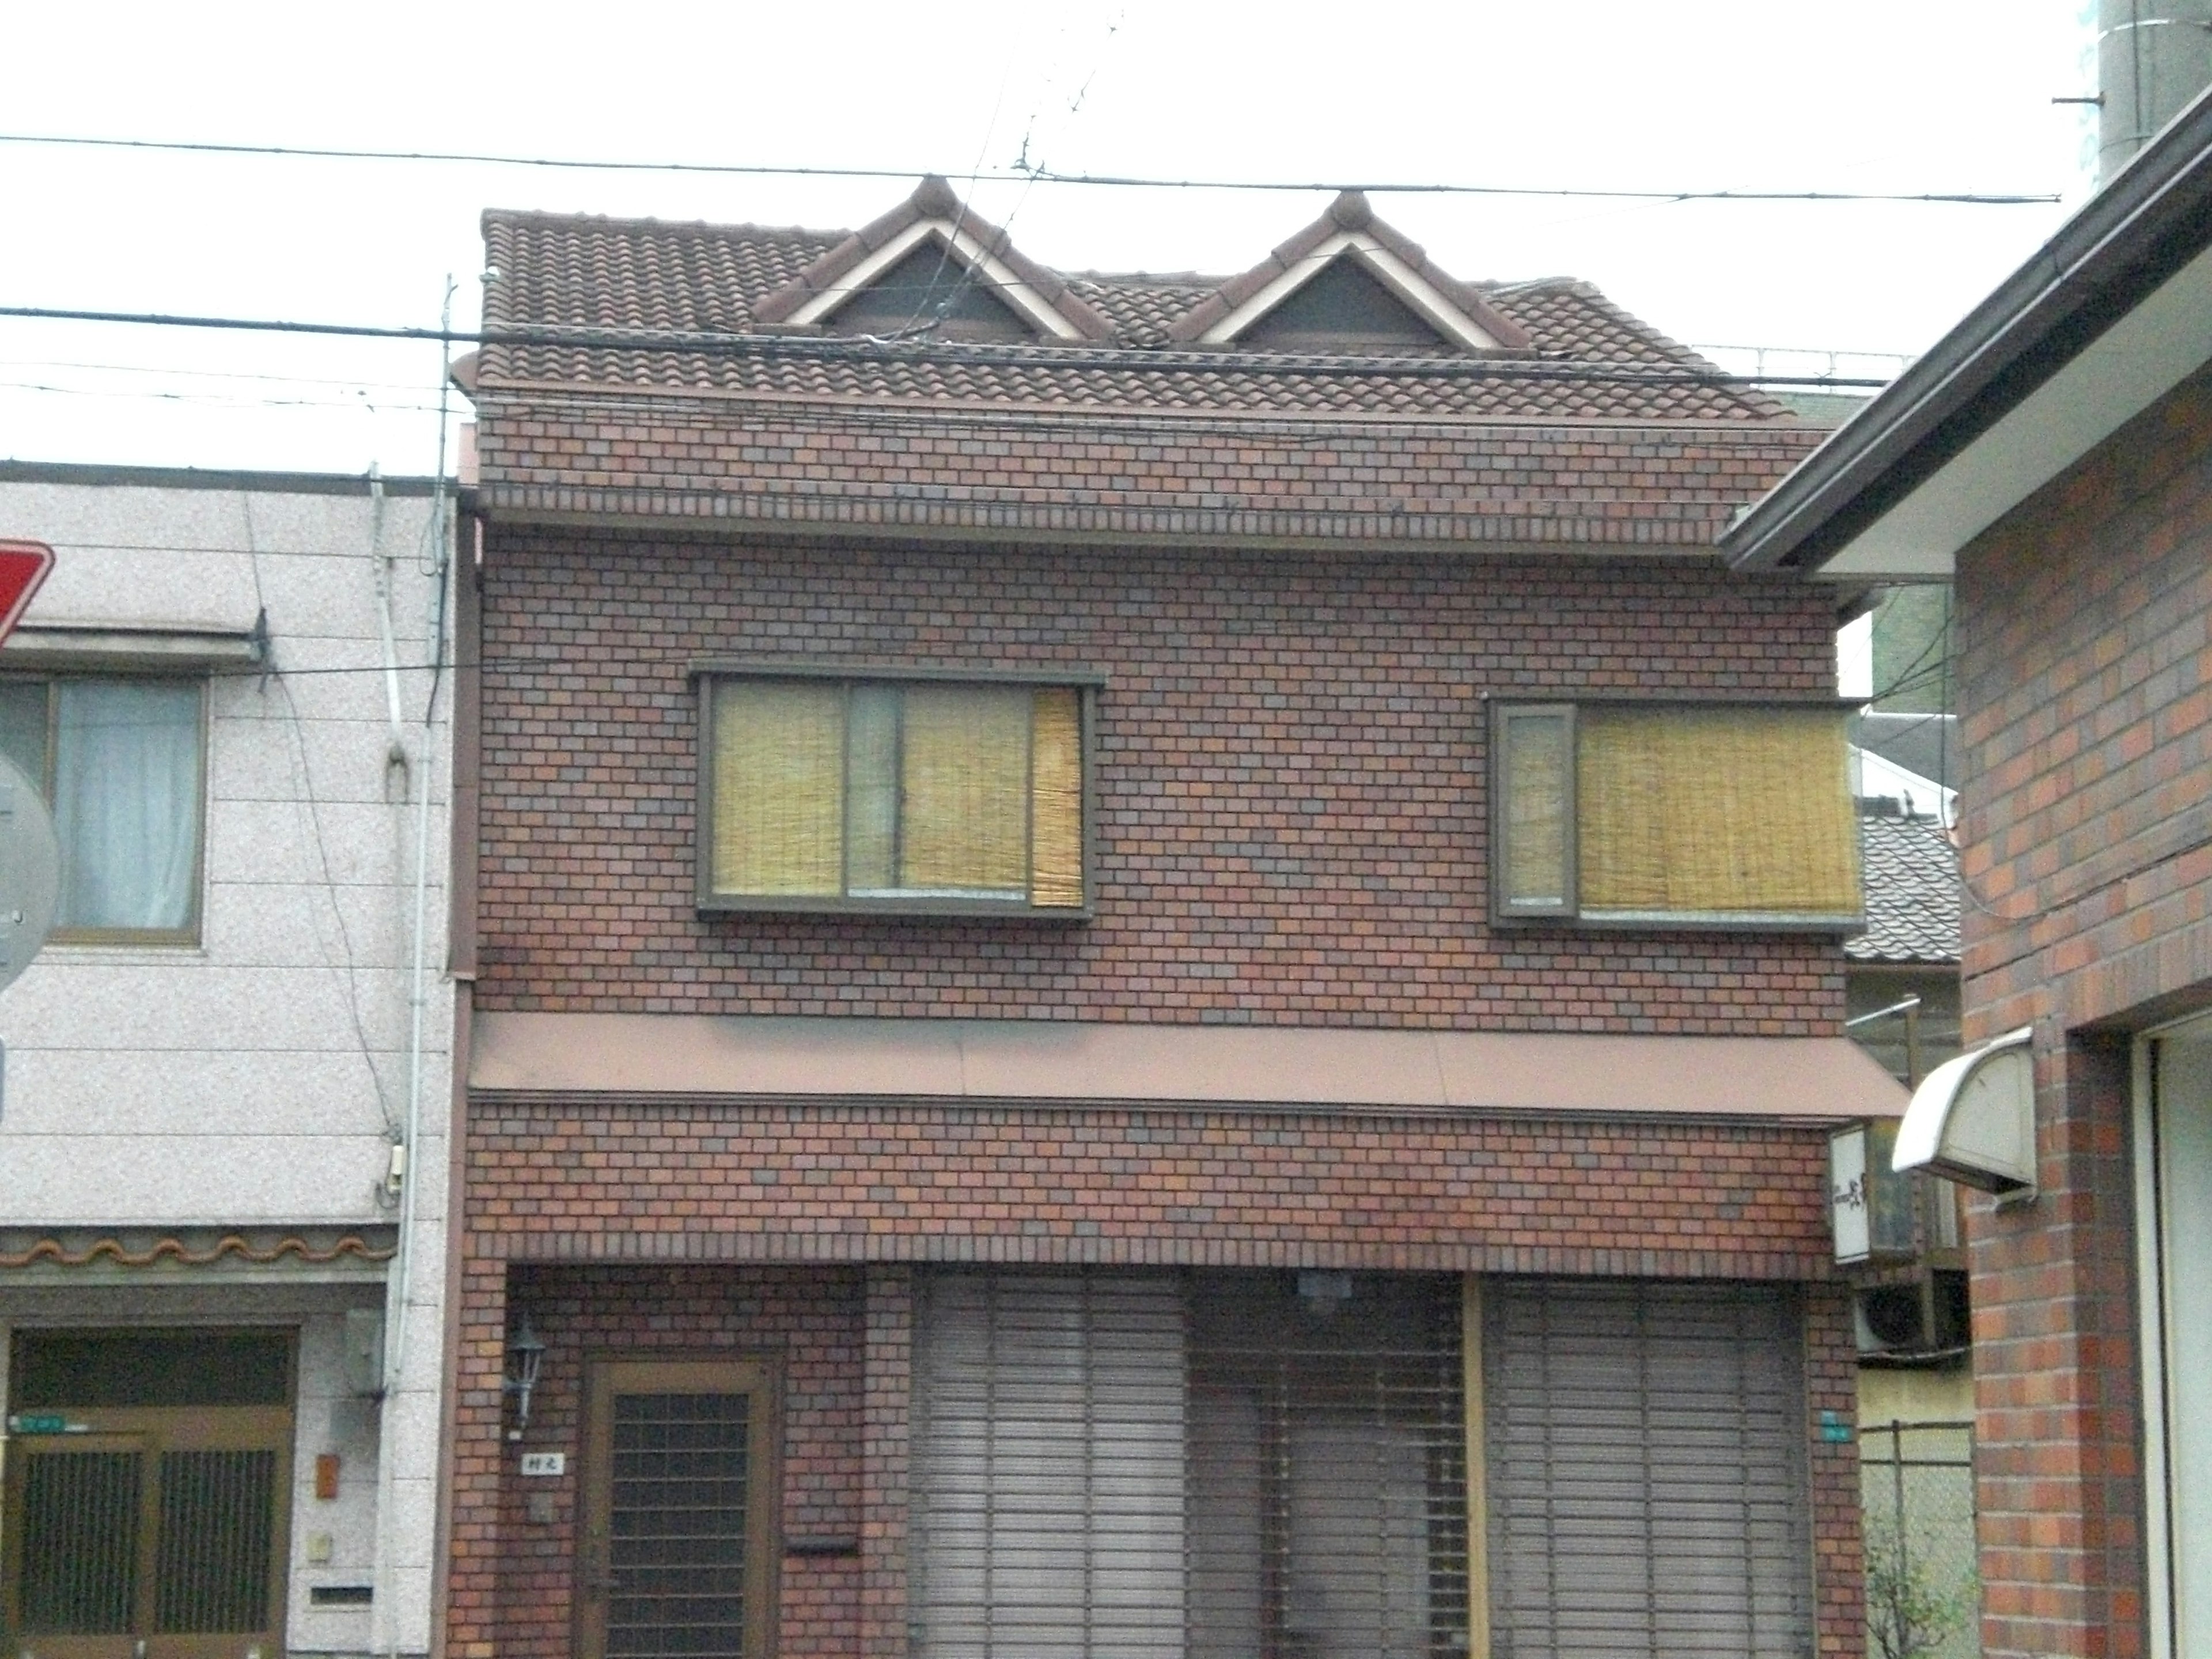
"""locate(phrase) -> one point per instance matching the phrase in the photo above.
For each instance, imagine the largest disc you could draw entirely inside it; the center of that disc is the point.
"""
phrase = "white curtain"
(127, 803)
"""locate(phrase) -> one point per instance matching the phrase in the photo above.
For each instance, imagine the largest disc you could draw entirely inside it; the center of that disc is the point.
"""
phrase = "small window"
(919, 795)
(119, 762)
(1673, 815)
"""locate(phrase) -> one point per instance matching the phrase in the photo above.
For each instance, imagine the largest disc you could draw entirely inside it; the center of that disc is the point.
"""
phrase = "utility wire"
(1026, 175)
(863, 350)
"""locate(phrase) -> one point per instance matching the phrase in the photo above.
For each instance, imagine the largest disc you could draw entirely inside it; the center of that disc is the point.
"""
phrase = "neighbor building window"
(119, 760)
(1673, 814)
(917, 794)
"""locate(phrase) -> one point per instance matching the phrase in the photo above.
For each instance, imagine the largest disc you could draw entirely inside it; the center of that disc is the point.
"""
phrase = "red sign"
(23, 566)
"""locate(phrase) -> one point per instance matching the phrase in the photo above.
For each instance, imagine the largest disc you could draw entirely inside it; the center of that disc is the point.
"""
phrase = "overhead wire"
(1120, 358)
(1018, 174)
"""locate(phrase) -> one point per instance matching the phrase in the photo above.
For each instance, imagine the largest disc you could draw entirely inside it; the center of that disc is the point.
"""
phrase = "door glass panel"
(2185, 1158)
(80, 1533)
(676, 1524)
(218, 1514)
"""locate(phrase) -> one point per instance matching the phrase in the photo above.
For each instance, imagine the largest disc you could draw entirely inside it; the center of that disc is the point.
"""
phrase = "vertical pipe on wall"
(1478, 1468)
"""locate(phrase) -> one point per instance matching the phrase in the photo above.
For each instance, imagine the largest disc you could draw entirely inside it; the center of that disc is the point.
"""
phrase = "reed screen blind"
(904, 794)
(1676, 813)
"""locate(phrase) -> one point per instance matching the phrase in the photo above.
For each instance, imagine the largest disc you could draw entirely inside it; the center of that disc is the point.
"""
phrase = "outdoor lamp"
(527, 1350)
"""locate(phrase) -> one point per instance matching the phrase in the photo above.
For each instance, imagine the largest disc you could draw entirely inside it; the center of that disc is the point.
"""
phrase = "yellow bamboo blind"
(964, 801)
(1539, 759)
(1056, 797)
(1688, 810)
(779, 755)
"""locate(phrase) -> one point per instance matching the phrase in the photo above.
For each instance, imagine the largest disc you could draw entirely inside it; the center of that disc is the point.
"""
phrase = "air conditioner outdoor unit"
(1918, 1317)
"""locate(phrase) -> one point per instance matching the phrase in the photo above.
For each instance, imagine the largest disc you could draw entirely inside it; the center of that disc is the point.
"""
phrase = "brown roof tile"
(706, 299)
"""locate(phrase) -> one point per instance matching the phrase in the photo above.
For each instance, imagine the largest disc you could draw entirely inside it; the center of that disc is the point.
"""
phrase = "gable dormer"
(1348, 283)
(930, 263)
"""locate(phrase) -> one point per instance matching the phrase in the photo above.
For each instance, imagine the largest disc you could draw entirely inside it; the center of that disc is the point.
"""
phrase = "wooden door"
(145, 1502)
(680, 1546)
(149, 1533)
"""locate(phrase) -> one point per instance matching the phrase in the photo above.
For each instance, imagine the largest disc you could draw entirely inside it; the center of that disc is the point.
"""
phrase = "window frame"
(1087, 683)
(1507, 913)
(189, 936)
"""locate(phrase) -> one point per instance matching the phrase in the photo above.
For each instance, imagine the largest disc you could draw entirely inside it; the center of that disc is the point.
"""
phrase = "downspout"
(403, 1155)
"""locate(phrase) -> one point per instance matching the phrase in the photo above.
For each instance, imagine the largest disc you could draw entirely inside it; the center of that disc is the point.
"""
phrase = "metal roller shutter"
(1646, 1471)
(1049, 1467)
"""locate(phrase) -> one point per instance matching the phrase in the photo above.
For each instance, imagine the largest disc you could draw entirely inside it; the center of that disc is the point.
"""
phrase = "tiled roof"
(1911, 893)
(1587, 359)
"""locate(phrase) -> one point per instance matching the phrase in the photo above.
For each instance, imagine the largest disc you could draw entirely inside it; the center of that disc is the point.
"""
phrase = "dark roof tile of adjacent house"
(1912, 872)
(706, 305)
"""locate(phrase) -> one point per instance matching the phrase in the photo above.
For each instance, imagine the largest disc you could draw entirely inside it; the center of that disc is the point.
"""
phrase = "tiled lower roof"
(1913, 892)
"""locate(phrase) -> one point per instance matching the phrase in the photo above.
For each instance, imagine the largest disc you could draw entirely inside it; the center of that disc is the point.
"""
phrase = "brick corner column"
(884, 1461)
(477, 1459)
(1838, 1545)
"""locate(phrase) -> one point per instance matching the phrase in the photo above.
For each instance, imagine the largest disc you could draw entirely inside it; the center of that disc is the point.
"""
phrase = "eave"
(2110, 314)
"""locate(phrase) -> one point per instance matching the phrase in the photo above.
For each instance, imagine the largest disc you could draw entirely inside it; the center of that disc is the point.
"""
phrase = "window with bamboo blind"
(918, 795)
(1673, 814)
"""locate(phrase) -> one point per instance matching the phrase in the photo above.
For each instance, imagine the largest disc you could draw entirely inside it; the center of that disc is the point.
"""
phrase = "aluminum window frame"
(1089, 684)
(1506, 914)
(192, 935)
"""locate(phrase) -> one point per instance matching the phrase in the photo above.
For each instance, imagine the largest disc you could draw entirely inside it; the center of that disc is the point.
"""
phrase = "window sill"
(918, 908)
(154, 950)
(1683, 921)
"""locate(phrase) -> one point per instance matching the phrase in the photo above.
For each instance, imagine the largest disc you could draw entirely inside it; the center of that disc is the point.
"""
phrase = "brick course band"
(1672, 486)
(569, 1180)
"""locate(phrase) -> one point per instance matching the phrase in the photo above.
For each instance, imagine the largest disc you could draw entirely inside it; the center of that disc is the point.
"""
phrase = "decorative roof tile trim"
(932, 204)
(175, 1250)
(1350, 213)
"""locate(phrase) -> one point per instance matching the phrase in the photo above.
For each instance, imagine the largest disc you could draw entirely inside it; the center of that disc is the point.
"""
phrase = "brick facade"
(1300, 588)
(2086, 719)
(1292, 817)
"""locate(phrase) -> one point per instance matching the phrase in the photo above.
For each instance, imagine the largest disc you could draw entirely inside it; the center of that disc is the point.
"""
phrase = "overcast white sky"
(1902, 95)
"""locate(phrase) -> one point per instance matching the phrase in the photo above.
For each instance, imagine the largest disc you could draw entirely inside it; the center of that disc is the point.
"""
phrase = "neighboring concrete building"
(2053, 454)
(220, 1287)
(1158, 957)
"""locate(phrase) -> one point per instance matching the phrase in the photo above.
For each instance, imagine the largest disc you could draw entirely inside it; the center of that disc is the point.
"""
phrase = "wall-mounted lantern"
(525, 1353)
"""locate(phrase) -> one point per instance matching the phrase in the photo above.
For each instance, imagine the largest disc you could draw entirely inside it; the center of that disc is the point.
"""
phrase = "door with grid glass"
(148, 1531)
(678, 1550)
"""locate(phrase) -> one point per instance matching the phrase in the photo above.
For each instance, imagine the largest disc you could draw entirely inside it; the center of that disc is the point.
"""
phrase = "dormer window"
(928, 287)
(1343, 309)
(1350, 284)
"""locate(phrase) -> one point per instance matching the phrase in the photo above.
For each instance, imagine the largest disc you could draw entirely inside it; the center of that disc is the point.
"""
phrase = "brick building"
(2054, 452)
(1155, 959)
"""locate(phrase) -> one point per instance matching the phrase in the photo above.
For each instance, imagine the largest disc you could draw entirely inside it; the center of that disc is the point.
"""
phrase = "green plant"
(1910, 1611)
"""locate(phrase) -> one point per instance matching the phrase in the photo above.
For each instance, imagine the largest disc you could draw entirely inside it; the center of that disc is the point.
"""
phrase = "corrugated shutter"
(1646, 1472)
(1049, 1467)
(1329, 1503)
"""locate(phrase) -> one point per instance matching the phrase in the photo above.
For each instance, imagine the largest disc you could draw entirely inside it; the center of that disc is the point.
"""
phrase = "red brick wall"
(808, 1322)
(1292, 822)
(1339, 479)
(738, 1180)
(2085, 703)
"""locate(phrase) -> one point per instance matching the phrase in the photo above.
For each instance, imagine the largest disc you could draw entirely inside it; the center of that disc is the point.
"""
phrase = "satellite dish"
(30, 871)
